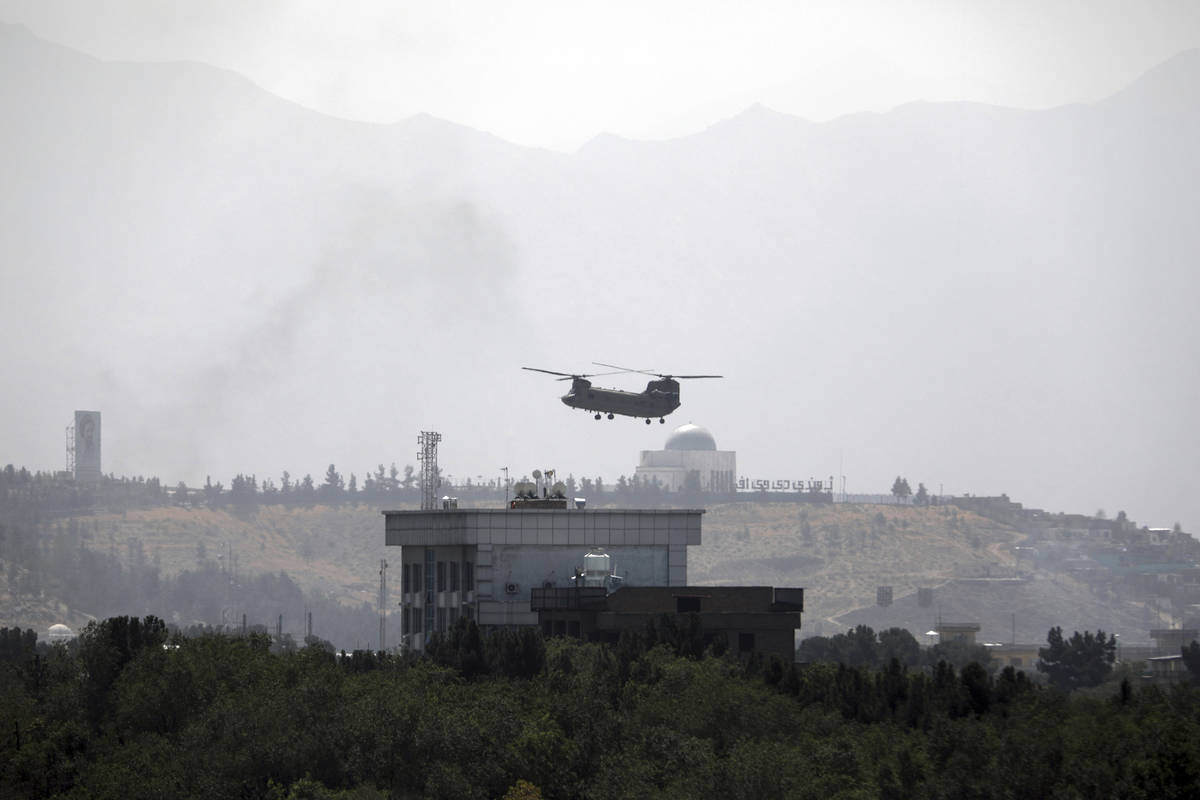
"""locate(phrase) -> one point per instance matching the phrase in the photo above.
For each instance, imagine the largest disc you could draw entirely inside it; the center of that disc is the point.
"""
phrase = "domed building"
(60, 633)
(692, 451)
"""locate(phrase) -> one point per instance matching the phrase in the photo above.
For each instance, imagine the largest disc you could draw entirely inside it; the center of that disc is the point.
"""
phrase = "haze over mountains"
(993, 300)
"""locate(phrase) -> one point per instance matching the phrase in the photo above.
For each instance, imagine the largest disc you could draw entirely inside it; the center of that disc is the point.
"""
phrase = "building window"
(430, 566)
(441, 576)
(404, 588)
(687, 605)
(469, 612)
(415, 586)
(441, 620)
(416, 621)
(468, 577)
(454, 576)
(745, 642)
(428, 620)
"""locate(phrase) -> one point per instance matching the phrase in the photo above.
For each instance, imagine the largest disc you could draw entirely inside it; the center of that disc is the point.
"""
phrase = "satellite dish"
(537, 473)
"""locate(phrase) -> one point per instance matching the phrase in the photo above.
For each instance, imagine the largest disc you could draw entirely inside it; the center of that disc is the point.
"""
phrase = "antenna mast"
(428, 440)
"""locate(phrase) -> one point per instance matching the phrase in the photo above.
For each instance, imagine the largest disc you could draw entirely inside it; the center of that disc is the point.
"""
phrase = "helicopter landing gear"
(647, 420)
(597, 416)
(662, 421)
(610, 416)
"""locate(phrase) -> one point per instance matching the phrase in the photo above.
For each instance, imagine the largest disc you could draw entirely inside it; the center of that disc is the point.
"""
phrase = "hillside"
(841, 553)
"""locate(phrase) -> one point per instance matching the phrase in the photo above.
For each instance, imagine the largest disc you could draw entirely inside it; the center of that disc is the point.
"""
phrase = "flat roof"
(606, 527)
(504, 510)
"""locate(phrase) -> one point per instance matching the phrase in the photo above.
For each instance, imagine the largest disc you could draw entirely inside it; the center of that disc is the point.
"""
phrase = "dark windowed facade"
(687, 605)
(468, 577)
(441, 576)
(404, 574)
(454, 576)
(430, 576)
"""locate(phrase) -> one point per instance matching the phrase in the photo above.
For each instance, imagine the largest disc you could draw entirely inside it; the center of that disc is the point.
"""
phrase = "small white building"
(690, 450)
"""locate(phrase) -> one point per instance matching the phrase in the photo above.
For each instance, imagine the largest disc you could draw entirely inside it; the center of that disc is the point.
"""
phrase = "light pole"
(505, 471)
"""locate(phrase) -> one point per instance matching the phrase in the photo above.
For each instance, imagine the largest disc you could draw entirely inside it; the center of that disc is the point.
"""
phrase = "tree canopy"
(1083, 660)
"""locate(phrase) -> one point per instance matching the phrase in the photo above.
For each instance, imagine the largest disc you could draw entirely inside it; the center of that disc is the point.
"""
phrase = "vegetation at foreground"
(121, 715)
(862, 647)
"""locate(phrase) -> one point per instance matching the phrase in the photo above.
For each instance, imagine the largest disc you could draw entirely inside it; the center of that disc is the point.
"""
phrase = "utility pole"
(382, 604)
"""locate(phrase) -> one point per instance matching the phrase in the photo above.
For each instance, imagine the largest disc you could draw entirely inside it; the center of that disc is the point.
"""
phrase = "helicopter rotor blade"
(550, 372)
(655, 374)
(623, 369)
(569, 375)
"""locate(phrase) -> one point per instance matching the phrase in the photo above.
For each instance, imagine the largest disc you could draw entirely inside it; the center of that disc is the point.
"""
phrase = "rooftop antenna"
(428, 440)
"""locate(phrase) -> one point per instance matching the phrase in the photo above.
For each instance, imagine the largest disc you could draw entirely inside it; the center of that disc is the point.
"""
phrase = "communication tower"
(428, 440)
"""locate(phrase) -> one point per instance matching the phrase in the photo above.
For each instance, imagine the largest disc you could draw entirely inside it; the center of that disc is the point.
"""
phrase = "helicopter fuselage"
(660, 398)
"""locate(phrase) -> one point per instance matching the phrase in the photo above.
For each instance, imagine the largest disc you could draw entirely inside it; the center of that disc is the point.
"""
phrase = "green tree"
(307, 491)
(922, 496)
(332, 489)
(1083, 660)
(900, 644)
(900, 488)
(212, 491)
(106, 647)
(1191, 660)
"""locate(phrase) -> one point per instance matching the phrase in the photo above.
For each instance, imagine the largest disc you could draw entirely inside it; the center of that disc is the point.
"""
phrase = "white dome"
(60, 632)
(690, 437)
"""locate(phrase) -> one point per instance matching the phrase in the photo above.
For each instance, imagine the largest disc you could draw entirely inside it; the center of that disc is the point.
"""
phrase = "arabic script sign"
(759, 485)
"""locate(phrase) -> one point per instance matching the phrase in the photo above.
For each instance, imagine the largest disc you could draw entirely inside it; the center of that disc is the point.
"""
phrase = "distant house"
(1172, 640)
(957, 631)
(1168, 669)
(1017, 656)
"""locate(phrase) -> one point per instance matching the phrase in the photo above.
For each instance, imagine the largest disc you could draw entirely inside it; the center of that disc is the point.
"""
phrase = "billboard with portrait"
(87, 446)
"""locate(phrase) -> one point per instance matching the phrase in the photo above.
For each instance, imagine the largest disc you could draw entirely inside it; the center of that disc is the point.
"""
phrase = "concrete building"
(746, 619)
(1171, 640)
(690, 449)
(957, 632)
(1018, 656)
(482, 563)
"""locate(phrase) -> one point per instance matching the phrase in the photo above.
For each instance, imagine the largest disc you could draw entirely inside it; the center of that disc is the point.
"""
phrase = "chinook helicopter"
(660, 397)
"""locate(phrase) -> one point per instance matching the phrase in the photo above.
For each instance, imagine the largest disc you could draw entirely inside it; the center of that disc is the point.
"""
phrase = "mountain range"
(989, 299)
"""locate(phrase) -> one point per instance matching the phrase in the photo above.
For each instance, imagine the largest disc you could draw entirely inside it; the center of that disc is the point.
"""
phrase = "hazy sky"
(555, 74)
(243, 257)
